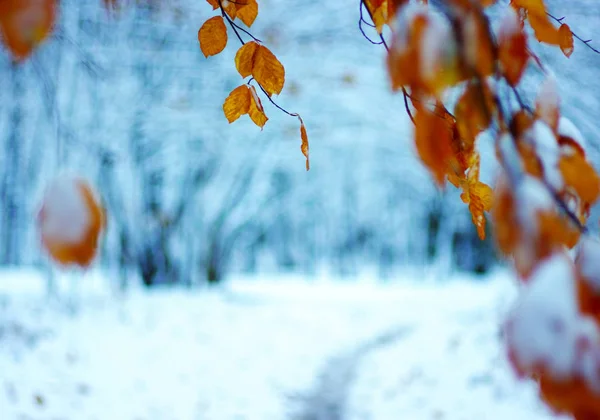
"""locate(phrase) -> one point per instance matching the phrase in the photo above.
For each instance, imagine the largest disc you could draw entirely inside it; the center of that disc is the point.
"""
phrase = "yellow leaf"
(256, 111)
(230, 8)
(212, 36)
(533, 7)
(512, 49)
(237, 103)
(248, 12)
(268, 71)
(566, 39)
(245, 57)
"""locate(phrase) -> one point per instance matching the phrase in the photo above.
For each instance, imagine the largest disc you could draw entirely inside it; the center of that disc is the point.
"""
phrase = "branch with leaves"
(543, 197)
(252, 60)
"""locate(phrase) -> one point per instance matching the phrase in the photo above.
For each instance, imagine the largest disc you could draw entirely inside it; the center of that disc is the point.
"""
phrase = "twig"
(585, 41)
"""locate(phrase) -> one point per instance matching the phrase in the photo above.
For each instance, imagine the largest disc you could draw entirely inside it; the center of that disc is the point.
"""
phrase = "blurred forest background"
(130, 102)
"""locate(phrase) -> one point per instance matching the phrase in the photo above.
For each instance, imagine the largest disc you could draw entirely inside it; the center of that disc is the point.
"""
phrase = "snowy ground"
(259, 350)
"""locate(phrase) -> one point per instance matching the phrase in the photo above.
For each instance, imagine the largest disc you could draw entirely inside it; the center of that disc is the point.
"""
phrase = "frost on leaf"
(212, 36)
(423, 53)
(547, 104)
(24, 24)
(70, 221)
(237, 103)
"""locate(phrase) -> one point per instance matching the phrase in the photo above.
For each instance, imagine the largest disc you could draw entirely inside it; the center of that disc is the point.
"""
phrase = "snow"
(257, 349)
(64, 215)
(588, 260)
(548, 151)
(566, 128)
(543, 326)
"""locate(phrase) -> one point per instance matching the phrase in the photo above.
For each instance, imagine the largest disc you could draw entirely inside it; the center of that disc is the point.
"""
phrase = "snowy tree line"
(132, 104)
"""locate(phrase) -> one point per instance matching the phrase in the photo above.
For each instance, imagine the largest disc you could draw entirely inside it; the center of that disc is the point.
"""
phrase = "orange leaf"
(535, 7)
(256, 111)
(581, 176)
(433, 138)
(230, 8)
(213, 3)
(71, 220)
(566, 39)
(237, 103)
(473, 111)
(213, 36)
(268, 71)
(248, 12)
(24, 24)
(244, 58)
(304, 145)
(479, 48)
(512, 48)
(544, 30)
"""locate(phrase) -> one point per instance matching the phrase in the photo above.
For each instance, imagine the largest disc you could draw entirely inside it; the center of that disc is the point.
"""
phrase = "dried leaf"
(213, 36)
(534, 7)
(245, 57)
(512, 49)
(230, 8)
(24, 24)
(256, 111)
(213, 3)
(433, 138)
(581, 176)
(478, 44)
(247, 13)
(544, 30)
(566, 39)
(237, 103)
(268, 71)
(473, 111)
(304, 145)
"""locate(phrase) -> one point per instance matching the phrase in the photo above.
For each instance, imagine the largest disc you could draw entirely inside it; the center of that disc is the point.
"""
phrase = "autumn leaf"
(244, 58)
(473, 110)
(433, 138)
(544, 30)
(478, 196)
(213, 36)
(237, 103)
(247, 13)
(535, 7)
(512, 48)
(268, 71)
(566, 39)
(478, 44)
(24, 24)
(378, 10)
(304, 145)
(581, 176)
(256, 111)
(213, 3)
(71, 220)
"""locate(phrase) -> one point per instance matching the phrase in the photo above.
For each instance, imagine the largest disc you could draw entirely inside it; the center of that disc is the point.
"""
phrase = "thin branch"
(585, 41)
(243, 30)
(405, 94)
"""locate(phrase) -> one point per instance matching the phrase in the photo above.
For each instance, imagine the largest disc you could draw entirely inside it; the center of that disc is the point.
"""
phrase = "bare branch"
(586, 41)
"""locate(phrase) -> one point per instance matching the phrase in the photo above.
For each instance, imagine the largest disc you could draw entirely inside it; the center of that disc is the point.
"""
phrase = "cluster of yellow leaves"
(251, 60)
(24, 24)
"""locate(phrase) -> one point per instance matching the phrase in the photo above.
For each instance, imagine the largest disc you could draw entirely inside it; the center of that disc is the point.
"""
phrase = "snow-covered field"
(260, 349)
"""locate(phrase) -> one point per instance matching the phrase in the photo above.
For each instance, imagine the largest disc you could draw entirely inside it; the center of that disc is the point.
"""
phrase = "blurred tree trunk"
(10, 196)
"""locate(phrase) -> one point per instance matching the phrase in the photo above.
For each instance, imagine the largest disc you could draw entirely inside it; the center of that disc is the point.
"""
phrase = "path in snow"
(328, 398)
